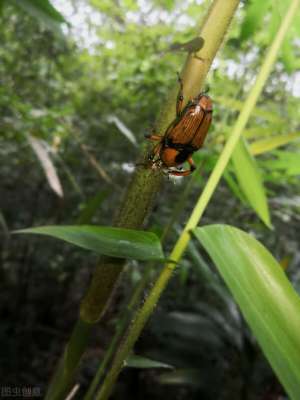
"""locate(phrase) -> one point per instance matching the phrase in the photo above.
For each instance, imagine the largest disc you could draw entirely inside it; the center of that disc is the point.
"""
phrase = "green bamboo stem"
(153, 297)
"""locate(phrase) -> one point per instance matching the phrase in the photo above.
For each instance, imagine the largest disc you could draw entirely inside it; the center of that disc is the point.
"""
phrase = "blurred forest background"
(79, 89)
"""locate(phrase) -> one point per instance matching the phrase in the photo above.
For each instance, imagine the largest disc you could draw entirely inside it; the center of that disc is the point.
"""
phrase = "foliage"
(114, 242)
(264, 294)
(69, 97)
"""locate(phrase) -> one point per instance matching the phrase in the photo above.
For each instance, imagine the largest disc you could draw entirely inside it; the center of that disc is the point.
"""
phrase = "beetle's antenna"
(204, 92)
(179, 80)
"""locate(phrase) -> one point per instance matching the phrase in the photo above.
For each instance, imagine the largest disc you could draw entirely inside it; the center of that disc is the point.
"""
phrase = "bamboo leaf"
(3, 225)
(113, 119)
(267, 300)
(255, 13)
(42, 7)
(44, 11)
(250, 182)
(287, 161)
(90, 208)
(236, 190)
(115, 242)
(288, 56)
(271, 143)
(259, 131)
(238, 105)
(135, 361)
(47, 165)
(186, 377)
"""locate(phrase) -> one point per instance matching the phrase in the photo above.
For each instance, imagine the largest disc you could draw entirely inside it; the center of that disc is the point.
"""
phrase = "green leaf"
(271, 143)
(274, 23)
(234, 187)
(288, 51)
(3, 225)
(46, 163)
(115, 242)
(45, 7)
(44, 11)
(90, 208)
(259, 131)
(135, 361)
(186, 377)
(255, 13)
(249, 179)
(234, 104)
(267, 300)
(167, 4)
(130, 5)
(287, 161)
(288, 56)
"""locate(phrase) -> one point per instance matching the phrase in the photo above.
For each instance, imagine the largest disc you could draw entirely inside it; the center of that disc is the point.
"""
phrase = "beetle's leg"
(156, 149)
(151, 156)
(181, 173)
(187, 171)
(155, 154)
(180, 98)
(153, 137)
(192, 164)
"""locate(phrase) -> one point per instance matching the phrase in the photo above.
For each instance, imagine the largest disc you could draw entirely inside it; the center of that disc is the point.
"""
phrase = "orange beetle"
(184, 136)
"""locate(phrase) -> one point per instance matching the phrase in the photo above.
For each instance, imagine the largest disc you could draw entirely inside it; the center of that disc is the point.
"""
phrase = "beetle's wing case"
(202, 130)
(191, 128)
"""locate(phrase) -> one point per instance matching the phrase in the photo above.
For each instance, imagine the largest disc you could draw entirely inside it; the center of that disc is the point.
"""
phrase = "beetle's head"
(205, 102)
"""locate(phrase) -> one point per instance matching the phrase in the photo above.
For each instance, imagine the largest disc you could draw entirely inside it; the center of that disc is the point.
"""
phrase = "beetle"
(184, 136)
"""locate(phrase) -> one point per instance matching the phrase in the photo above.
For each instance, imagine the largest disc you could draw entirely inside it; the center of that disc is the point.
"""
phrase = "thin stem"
(153, 297)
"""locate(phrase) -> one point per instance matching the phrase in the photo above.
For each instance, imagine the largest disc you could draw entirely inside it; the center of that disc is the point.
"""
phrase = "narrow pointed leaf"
(46, 163)
(91, 207)
(136, 361)
(271, 143)
(250, 181)
(255, 13)
(288, 56)
(41, 8)
(287, 161)
(234, 104)
(115, 242)
(122, 128)
(267, 299)
(236, 190)
(44, 12)
(186, 377)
